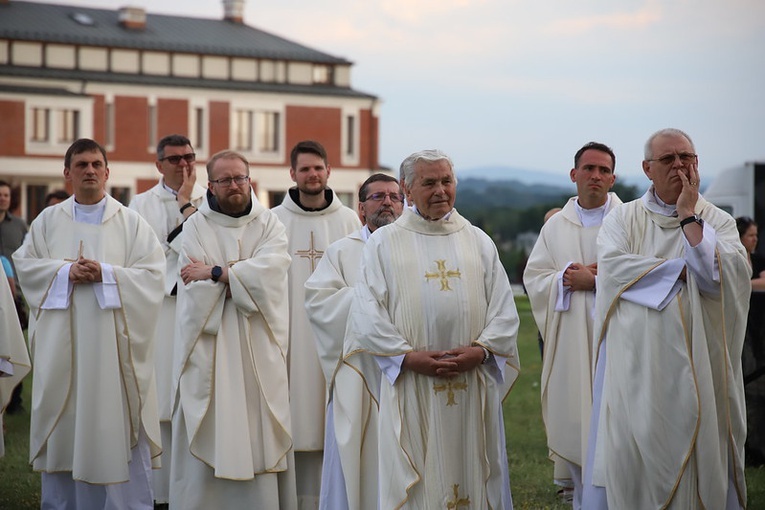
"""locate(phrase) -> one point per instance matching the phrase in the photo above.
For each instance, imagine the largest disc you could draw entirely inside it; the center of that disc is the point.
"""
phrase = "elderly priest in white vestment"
(349, 472)
(92, 272)
(560, 281)
(673, 293)
(232, 440)
(434, 305)
(14, 358)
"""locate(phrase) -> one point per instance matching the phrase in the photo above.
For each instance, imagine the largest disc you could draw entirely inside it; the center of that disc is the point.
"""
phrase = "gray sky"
(525, 83)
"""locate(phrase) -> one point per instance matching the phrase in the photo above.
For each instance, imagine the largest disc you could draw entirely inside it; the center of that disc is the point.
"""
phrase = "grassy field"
(530, 471)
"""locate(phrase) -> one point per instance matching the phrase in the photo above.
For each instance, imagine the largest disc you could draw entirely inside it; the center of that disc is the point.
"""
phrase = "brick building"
(127, 77)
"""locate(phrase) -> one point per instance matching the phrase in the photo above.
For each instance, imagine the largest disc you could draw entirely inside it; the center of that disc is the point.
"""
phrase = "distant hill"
(511, 194)
(539, 177)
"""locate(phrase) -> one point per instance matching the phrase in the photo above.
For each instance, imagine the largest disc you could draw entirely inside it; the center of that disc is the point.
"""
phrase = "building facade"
(127, 77)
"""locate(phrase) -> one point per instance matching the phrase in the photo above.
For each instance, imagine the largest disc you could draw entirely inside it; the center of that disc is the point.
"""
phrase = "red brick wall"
(219, 126)
(320, 124)
(369, 139)
(172, 118)
(132, 129)
(142, 185)
(12, 128)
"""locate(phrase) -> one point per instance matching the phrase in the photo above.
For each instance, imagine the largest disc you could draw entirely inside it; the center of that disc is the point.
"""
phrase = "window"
(267, 131)
(40, 124)
(350, 141)
(322, 74)
(275, 198)
(35, 199)
(152, 126)
(199, 127)
(243, 130)
(109, 121)
(68, 126)
(121, 194)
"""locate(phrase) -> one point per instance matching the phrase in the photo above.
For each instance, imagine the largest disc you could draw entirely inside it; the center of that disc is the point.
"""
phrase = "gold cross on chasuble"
(449, 387)
(443, 274)
(457, 502)
(311, 253)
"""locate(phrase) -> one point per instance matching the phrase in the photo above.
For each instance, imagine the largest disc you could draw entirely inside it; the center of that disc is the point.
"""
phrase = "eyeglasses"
(188, 158)
(668, 159)
(379, 197)
(226, 181)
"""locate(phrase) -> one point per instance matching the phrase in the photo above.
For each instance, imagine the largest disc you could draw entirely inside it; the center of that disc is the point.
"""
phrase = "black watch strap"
(215, 273)
(690, 219)
(186, 206)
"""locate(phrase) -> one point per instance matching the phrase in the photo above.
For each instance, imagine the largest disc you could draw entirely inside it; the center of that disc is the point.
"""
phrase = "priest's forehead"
(81, 146)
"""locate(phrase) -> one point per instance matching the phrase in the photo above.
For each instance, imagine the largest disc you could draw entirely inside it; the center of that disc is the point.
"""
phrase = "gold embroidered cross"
(449, 387)
(443, 274)
(312, 253)
(457, 502)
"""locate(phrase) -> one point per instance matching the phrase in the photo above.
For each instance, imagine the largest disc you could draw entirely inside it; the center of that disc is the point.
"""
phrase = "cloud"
(649, 14)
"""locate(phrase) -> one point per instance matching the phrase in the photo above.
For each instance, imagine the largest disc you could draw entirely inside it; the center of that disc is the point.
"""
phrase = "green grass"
(530, 471)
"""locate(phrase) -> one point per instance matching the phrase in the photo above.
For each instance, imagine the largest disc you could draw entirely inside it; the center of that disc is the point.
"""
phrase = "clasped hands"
(444, 363)
(85, 271)
(580, 277)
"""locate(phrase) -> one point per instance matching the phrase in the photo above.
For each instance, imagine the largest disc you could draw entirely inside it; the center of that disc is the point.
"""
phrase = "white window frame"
(350, 140)
(83, 106)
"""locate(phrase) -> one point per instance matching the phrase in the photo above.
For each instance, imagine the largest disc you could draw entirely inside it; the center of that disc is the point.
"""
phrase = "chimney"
(132, 18)
(233, 11)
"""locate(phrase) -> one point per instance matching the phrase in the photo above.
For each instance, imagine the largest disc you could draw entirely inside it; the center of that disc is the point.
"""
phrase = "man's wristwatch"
(186, 206)
(691, 219)
(486, 355)
(216, 273)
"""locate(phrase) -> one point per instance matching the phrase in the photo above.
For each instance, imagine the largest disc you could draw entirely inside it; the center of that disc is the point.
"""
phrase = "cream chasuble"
(677, 370)
(567, 364)
(160, 209)
(329, 293)
(430, 286)
(230, 373)
(309, 233)
(13, 349)
(94, 383)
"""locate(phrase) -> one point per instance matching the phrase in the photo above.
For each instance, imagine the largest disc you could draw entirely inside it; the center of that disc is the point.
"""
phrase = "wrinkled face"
(233, 197)
(88, 174)
(311, 174)
(177, 159)
(5, 198)
(593, 177)
(379, 209)
(749, 239)
(671, 154)
(434, 189)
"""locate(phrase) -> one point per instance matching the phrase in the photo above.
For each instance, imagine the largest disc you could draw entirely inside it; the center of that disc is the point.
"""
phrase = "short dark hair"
(375, 178)
(5, 183)
(172, 141)
(743, 223)
(83, 145)
(58, 194)
(307, 147)
(598, 147)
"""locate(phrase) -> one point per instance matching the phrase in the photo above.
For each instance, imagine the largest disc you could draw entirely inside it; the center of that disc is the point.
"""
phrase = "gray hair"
(648, 150)
(406, 172)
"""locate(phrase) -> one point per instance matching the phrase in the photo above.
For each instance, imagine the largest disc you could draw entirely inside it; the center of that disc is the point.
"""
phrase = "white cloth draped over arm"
(661, 285)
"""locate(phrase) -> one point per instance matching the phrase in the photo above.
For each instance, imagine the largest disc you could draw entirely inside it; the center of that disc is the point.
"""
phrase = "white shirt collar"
(654, 204)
